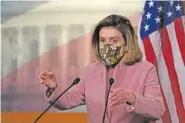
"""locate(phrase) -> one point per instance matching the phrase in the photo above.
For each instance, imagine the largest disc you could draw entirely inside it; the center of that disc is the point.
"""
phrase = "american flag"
(162, 40)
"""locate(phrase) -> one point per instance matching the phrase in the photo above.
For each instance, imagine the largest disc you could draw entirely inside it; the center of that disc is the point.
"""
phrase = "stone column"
(20, 45)
(65, 55)
(42, 40)
(87, 45)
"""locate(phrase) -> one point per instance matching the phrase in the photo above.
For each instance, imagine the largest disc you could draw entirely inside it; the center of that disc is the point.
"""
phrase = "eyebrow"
(111, 37)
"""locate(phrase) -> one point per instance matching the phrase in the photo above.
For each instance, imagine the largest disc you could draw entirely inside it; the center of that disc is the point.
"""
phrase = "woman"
(135, 94)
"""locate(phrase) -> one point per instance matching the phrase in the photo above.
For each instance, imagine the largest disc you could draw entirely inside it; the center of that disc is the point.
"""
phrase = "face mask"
(109, 55)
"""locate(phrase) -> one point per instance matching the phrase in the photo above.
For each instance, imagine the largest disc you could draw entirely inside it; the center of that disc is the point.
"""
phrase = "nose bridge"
(109, 40)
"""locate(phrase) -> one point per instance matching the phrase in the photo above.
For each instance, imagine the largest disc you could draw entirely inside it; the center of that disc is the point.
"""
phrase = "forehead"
(109, 32)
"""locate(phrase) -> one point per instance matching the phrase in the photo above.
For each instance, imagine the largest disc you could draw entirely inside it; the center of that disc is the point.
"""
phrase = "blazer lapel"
(105, 86)
(118, 76)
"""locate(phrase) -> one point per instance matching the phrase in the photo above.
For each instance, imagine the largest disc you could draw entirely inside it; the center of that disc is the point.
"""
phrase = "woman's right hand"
(48, 79)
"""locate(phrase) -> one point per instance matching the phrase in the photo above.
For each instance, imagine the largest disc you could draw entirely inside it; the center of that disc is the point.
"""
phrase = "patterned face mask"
(109, 55)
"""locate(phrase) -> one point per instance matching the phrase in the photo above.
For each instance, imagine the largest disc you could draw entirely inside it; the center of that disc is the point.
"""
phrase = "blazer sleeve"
(151, 105)
(72, 98)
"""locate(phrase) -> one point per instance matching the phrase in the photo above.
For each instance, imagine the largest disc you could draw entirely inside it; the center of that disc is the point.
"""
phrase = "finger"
(47, 84)
(117, 89)
(43, 77)
(125, 94)
(52, 76)
(112, 98)
(42, 81)
(112, 90)
(53, 84)
(123, 101)
(51, 73)
(126, 90)
(48, 75)
(113, 93)
(44, 73)
(114, 103)
(50, 83)
(120, 93)
(40, 76)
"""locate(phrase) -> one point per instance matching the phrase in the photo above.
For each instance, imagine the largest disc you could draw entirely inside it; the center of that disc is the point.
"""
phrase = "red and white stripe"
(163, 75)
(183, 21)
(169, 58)
(140, 42)
(177, 55)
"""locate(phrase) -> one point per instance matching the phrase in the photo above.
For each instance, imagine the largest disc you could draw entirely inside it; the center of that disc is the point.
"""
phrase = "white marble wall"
(10, 50)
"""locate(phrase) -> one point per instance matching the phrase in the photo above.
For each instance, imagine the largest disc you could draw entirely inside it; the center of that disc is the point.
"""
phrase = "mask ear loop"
(125, 51)
(125, 44)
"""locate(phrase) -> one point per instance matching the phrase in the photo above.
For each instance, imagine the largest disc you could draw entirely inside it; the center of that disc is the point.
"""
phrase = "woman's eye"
(102, 41)
(115, 41)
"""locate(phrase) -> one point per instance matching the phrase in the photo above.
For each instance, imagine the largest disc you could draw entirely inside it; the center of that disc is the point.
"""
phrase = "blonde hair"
(132, 51)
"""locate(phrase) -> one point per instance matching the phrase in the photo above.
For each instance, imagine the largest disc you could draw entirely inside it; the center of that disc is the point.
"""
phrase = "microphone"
(76, 81)
(111, 81)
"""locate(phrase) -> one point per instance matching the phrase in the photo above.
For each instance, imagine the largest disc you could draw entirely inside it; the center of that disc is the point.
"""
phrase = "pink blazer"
(140, 78)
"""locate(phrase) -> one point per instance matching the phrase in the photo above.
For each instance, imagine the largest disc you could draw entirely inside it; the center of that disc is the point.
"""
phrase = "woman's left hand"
(121, 96)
